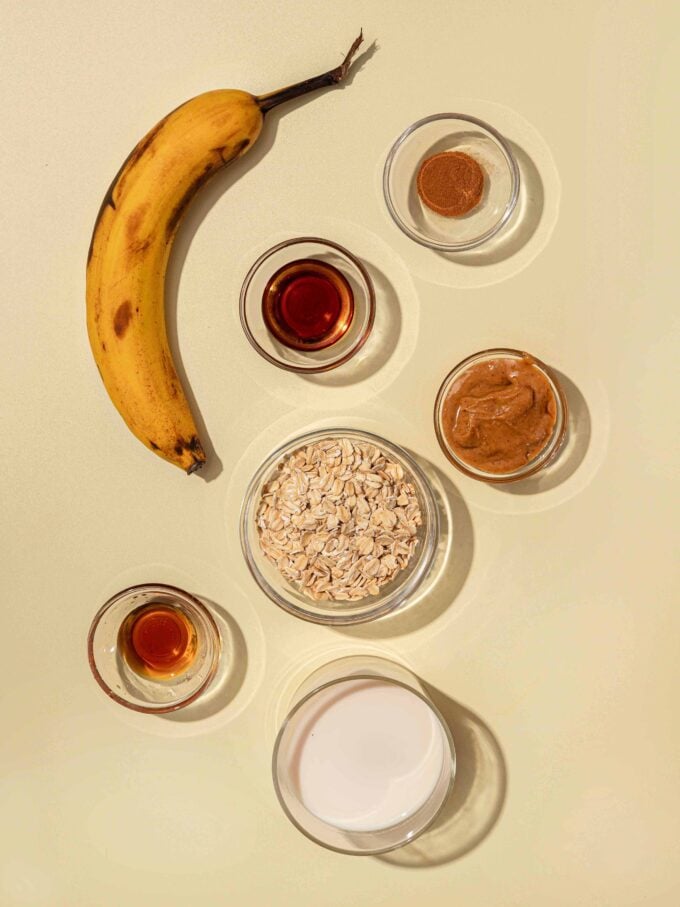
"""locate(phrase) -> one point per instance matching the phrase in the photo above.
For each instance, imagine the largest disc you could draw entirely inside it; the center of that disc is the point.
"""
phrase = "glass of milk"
(363, 762)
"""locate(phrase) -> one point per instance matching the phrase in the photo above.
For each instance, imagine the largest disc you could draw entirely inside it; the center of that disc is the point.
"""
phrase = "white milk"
(366, 754)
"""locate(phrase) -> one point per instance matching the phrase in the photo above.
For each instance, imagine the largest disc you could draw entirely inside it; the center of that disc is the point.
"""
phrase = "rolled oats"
(339, 520)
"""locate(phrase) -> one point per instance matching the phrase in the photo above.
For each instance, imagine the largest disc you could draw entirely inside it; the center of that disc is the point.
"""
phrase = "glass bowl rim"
(544, 457)
(426, 556)
(363, 675)
(359, 342)
(509, 208)
(187, 598)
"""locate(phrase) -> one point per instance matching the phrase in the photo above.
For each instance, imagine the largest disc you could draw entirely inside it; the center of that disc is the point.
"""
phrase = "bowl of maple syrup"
(153, 648)
(307, 305)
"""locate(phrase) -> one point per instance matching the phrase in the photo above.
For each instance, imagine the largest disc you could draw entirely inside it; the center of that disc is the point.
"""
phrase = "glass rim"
(187, 598)
(411, 584)
(544, 457)
(358, 343)
(509, 208)
(319, 689)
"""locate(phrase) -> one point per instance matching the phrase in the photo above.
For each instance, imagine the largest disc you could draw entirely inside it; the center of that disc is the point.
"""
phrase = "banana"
(131, 245)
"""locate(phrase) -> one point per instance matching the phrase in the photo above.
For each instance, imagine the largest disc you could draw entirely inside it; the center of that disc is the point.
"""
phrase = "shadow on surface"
(575, 446)
(195, 215)
(450, 569)
(521, 226)
(231, 671)
(476, 800)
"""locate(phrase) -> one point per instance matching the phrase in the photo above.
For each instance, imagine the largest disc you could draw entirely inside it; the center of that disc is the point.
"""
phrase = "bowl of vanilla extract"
(154, 648)
(307, 305)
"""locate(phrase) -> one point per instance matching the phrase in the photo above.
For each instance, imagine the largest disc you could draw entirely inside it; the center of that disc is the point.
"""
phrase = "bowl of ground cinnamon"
(451, 182)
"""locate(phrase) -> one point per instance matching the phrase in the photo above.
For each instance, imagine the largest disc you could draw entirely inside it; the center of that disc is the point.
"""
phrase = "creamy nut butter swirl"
(499, 414)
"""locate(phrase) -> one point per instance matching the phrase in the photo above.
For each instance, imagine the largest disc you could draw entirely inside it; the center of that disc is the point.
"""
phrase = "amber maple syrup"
(158, 641)
(308, 305)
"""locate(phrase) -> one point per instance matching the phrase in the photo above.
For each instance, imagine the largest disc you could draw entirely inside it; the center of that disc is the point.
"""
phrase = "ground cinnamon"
(450, 183)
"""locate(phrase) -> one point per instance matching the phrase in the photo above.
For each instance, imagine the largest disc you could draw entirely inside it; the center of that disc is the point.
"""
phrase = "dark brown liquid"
(308, 305)
(158, 641)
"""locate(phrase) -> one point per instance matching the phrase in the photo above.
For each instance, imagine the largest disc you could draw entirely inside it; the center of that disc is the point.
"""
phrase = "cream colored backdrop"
(552, 643)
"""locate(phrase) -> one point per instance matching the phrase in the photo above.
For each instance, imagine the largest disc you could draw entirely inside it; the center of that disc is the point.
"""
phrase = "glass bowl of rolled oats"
(339, 526)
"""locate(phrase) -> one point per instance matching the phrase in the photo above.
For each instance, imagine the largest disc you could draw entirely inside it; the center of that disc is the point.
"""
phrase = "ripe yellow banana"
(130, 248)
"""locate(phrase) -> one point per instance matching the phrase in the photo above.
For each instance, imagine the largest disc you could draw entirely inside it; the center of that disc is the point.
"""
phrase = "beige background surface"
(552, 635)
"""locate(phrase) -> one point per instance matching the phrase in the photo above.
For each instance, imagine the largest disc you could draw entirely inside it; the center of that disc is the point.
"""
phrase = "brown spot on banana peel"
(236, 150)
(193, 446)
(139, 246)
(122, 318)
(209, 170)
(108, 200)
(134, 222)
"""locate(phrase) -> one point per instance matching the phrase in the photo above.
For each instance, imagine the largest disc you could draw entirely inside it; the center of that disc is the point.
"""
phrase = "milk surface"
(366, 754)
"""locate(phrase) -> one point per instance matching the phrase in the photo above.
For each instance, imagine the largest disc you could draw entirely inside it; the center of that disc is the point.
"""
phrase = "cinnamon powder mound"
(450, 183)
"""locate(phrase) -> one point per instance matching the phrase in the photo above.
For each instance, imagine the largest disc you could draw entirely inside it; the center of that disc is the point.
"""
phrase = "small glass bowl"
(307, 361)
(451, 132)
(392, 595)
(125, 686)
(554, 444)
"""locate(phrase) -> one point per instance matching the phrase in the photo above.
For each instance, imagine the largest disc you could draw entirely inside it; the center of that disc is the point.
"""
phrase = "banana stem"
(274, 98)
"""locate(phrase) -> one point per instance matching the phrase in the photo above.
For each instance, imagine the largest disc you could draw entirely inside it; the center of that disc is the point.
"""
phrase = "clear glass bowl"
(451, 132)
(554, 444)
(393, 594)
(307, 361)
(125, 686)
(329, 683)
